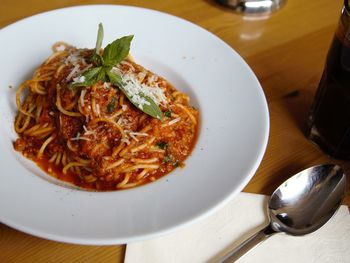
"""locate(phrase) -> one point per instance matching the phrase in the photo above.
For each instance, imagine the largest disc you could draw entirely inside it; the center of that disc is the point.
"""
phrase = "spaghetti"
(93, 136)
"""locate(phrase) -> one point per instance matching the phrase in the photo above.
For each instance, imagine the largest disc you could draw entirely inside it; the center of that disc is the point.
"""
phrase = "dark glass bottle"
(329, 119)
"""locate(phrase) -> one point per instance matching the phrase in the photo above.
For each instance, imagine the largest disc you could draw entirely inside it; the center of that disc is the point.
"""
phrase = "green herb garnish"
(112, 55)
(96, 56)
(99, 40)
(116, 51)
(167, 159)
(151, 108)
(162, 145)
(167, 113)
(111, 105)
(176, 163)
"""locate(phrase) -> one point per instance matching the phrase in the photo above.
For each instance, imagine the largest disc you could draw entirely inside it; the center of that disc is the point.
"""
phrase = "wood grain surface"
(286, 51)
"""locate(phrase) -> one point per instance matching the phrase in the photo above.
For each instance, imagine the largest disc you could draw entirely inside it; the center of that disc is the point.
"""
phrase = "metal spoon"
(300, 205)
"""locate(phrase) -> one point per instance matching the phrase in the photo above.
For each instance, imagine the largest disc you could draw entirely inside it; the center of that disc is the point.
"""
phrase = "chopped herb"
(111, 105)
(167, 159)
(176, 163)
(168, 113)
(162, 145)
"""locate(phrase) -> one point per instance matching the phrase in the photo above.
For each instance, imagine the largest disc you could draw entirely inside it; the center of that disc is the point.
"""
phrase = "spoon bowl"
(300, 205)
(306, 201)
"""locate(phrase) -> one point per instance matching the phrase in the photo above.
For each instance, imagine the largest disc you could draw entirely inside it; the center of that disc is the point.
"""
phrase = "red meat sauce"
(178, 148)
(177, 140)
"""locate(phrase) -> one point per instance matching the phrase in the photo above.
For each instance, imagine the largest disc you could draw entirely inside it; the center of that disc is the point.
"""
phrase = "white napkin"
(208, 239)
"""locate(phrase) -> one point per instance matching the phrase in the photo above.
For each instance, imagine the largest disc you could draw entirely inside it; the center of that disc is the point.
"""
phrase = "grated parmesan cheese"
(135, 96)
(79, 79)
(174, 121)
(86, 129)
(106, 85)
(89, 132)
(134, 88)
(72, 59)
(134, 134)
(126, 141)
(78, 137)
(139, 133)
(82, 97)
(98, 112)
(134, 137)
(122, 121)
(73, 72)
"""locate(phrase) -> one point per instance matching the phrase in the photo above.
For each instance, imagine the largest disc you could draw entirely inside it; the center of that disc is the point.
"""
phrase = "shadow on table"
(298, 103)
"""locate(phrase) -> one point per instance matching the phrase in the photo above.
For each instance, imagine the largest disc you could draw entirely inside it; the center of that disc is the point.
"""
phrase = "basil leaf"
(99, 38)
(167, 113)
(102, 75)
(97, 59)
(115, 78)
(151, 108)
(116, 51)
(162, 145)
(90, 77)
(111, 105)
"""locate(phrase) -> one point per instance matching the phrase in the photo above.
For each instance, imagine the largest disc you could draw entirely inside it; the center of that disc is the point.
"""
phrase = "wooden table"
(286, 51)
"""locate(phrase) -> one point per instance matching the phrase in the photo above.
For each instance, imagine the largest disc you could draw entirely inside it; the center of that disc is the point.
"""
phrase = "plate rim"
(257, 161)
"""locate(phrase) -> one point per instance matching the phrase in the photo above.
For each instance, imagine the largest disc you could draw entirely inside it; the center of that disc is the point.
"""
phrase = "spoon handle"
(248, 244)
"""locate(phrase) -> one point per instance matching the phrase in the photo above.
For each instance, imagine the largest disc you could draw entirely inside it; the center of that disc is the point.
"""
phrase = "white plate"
(232, 140)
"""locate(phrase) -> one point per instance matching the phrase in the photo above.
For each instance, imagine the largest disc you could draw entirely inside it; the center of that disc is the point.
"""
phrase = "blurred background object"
(253, 6)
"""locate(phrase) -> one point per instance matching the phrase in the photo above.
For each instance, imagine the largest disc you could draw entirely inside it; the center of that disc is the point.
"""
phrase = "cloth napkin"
(207, 240)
